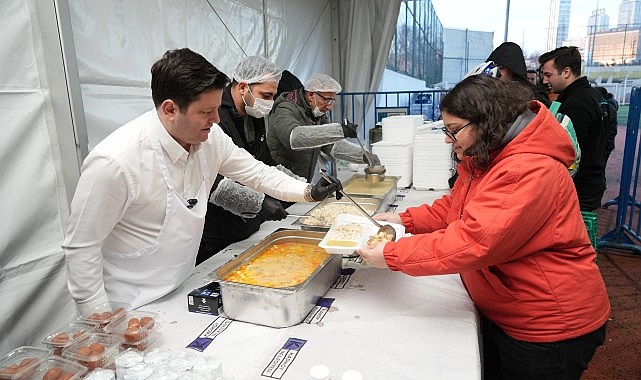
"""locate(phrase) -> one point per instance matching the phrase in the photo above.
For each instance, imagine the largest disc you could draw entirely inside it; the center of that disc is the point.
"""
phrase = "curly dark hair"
(491, 105)
(182, 75)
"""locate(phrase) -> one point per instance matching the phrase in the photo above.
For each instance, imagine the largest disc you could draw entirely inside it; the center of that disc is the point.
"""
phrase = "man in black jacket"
(234, 211)
(580, 102)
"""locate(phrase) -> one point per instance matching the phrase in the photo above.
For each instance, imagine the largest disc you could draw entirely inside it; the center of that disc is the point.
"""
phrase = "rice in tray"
(325, 215)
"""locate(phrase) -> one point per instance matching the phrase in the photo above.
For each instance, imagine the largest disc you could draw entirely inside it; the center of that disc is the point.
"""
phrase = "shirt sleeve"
(99, 202)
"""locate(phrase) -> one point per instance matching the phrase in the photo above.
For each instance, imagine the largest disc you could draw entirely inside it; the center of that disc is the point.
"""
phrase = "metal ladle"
(382, 228)
(373, 173)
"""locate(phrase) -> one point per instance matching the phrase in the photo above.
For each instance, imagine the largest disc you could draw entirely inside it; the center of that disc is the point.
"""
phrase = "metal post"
(507, 20)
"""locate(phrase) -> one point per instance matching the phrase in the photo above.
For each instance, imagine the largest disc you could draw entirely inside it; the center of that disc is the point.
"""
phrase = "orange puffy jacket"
(516, 236)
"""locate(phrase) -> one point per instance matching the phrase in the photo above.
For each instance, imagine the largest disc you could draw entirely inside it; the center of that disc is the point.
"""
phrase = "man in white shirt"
(138, 212)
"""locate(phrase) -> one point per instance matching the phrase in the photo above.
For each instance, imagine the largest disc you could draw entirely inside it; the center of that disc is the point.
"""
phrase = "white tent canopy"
(73, 71)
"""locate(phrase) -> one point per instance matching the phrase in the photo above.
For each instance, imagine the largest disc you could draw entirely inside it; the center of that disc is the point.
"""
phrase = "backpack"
(566, 123)
(609, 123)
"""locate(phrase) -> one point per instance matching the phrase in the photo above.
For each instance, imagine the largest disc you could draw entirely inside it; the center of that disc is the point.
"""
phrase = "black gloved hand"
(272, 210)
(323, 188)
(349, 129)
(371, 159)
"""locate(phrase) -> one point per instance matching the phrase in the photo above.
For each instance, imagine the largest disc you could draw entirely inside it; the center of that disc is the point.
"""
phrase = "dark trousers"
(506, 358)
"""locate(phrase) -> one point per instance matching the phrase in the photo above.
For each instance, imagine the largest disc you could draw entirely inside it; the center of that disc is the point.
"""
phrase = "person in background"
(509, 58)
(139, 208)
(299, 128)
(610, 106)
(580, 102)
(234, 211)
(532, 76)
(512, 229)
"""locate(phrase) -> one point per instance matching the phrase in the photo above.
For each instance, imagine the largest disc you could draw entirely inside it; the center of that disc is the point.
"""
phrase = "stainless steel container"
(276, 307)
(373, 205)
(385, 190)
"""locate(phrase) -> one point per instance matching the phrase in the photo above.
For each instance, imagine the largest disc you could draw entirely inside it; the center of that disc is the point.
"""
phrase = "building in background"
(599, 21)
(629, 13)
(563, 22)
(463, 50)
(417, 47)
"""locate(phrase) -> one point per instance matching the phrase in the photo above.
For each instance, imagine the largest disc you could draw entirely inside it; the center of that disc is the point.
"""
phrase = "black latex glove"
(272, 210)
(371, 159)
(323, 188)
(349, 129)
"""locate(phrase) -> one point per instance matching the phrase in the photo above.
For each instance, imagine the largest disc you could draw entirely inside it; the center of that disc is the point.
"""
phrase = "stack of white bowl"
(395, 148)
(397, 159)
(400, 129)
(432, 158)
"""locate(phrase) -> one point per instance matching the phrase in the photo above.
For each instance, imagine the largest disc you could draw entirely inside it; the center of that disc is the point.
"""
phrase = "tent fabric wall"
(115, 44)
(33, 291)
(366, 40)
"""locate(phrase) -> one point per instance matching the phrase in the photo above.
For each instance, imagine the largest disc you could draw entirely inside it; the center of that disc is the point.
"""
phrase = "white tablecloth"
(384, 324)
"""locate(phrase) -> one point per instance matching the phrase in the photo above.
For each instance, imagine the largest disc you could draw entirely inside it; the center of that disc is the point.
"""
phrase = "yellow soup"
(280, 265)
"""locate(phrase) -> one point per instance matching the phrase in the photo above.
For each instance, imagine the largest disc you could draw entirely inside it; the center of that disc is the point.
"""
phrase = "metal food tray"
(374, 205)
(387, 197)
(276, 307)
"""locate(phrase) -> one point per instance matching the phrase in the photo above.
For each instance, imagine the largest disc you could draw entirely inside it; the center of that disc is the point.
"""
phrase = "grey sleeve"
(348, 151)
(236, 198)
(314, 136)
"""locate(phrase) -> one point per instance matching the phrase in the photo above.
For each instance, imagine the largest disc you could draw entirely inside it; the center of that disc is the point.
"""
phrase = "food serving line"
(383, 324)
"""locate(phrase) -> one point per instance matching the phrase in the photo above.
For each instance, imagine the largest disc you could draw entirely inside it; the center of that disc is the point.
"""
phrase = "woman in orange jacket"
(513, 230)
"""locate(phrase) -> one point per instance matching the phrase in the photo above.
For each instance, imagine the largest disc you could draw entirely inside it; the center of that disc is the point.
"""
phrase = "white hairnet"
(322, 83)
(255, 69)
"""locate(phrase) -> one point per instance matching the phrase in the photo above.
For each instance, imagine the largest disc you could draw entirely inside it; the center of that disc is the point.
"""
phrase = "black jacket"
(222, 227)
(580, 102)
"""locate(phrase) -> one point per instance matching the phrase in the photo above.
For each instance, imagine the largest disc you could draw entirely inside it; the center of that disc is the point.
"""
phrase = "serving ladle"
(385, 229)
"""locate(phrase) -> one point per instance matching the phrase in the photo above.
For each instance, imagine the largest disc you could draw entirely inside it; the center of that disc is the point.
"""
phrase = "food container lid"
(55, 367)
(135, 326)
(18, 362)
(347, 233)
(106, 313)
(98, 348)
(73, 332)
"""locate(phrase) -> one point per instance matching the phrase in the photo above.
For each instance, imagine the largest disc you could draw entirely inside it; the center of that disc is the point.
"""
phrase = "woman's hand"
(389, 217)
(374, 256)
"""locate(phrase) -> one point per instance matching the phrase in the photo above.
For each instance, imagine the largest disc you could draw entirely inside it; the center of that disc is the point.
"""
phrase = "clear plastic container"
(98, 350)
(126, 360)
(106, 313)
(101, 374)
(55, 367)
(148, 342)
(135, 327)
(64, 337)
(21, 361)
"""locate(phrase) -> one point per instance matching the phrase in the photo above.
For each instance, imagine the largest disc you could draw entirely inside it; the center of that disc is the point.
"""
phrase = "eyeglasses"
(328, 101)
(452, 134)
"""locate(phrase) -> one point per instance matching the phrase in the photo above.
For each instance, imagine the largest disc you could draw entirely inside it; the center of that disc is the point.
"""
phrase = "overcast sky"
(528, 18)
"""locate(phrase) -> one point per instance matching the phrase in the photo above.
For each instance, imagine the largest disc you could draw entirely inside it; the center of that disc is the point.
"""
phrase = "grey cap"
(322, 83)
(255, 69)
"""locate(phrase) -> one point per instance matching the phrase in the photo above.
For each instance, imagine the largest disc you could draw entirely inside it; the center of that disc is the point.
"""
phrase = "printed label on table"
(318, 312)
(219, 325)
(346, 273)
(283, 358)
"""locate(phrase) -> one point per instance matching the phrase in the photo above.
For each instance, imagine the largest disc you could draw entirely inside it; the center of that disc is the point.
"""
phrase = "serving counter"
(384, 324)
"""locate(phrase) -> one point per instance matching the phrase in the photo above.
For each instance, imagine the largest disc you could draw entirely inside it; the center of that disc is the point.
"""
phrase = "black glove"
(323, 188)
(371, 159)
(272, 210)
(349, 129)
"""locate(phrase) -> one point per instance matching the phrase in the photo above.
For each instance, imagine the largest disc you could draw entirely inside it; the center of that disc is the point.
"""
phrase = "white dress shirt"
(120, 200)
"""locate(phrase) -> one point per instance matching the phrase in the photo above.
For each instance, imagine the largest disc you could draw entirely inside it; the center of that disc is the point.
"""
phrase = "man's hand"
(272, 209)
(349, 129)
(324, 188)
